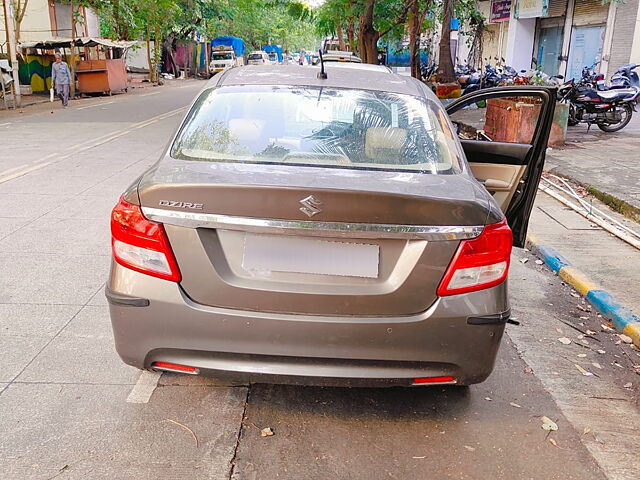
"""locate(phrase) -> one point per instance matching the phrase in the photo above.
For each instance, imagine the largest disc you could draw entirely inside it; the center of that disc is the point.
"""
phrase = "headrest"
(384, 143)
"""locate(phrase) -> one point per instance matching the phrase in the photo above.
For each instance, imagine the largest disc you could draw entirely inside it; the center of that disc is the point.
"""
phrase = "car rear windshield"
(318, 126)
(222, 56)
(255, 56)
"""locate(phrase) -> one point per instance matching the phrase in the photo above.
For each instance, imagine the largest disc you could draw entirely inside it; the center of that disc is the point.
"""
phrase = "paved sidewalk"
(605, 259)
(609, 162)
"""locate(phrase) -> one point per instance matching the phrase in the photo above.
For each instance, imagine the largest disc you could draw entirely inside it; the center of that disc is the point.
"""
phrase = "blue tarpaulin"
(236, 43)
(273, 48)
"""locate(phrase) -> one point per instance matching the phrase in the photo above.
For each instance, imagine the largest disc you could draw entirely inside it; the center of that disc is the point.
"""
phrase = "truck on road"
(226, 52)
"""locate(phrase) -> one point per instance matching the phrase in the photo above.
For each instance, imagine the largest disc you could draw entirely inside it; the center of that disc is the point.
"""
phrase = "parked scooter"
(625, 77)
(610, 110)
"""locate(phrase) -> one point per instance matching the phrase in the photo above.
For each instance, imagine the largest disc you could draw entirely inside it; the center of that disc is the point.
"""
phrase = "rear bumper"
(153, 320)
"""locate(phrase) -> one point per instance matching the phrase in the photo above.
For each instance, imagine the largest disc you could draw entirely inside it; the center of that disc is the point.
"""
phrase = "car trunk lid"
(309, 240)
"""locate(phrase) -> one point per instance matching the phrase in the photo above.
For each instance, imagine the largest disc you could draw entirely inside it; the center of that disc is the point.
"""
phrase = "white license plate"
(306, 255)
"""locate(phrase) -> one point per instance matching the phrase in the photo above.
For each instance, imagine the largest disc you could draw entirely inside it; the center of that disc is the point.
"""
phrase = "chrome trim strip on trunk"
(432, 233)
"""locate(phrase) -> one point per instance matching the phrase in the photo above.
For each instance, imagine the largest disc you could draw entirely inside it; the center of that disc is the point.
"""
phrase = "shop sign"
(531, 8)
(500, 11)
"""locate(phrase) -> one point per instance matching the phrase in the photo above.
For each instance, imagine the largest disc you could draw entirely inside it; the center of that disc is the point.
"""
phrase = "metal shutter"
(590, 12)
(557, 8)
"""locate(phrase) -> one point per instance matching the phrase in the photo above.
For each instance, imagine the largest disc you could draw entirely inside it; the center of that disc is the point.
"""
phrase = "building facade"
(562, 36)
(46, 19)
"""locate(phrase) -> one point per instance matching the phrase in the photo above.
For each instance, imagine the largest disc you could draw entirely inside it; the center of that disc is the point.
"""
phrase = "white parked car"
(258, 57)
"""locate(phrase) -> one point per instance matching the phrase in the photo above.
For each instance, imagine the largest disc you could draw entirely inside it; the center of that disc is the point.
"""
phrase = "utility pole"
(72, 63)
(11, 40)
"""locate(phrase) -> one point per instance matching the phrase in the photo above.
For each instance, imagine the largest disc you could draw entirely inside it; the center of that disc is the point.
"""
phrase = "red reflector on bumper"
(174, 366)
(433, 380)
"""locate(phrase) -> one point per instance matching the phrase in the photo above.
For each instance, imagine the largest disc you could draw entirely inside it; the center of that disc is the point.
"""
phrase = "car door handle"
(492, 184)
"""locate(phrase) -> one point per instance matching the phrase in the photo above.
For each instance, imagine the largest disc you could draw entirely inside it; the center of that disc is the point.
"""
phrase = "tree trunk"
(351, 35)
(446, 73)
(368, 35)
(341, 45)
(152, 70)
(361, 49)
(19, 9)
(414, 39)
(157, 50)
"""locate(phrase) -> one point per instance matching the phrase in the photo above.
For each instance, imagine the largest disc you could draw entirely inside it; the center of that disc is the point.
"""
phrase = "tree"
(377, 18)
(19, 7)
(446, 73)
(417, 13)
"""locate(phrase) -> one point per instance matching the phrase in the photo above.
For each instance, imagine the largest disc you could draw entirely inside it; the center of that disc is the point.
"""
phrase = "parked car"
(339, 56)
(360, 66)
(323, 231)
(258, 57)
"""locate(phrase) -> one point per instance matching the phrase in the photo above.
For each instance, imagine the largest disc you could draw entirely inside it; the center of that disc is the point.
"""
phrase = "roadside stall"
(100, 63)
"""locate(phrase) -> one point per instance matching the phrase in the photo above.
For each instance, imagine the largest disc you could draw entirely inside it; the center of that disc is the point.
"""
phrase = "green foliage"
(289, 23)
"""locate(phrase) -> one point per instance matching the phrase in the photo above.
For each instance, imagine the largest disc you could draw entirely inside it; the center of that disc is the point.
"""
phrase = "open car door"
(504, 133)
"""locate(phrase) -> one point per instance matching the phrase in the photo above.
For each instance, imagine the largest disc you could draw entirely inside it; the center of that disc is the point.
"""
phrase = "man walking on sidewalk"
(61, 79)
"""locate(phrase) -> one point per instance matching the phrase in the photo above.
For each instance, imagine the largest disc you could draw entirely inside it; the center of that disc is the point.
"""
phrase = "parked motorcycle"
(427, 71)
(610, 110)
(491, 77)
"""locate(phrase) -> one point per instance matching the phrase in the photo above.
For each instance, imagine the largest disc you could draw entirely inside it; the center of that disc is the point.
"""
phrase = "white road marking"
(24, 171)
(149, 94)
(144, 387)
(3, 124)
(95, 105)
(80, 147)
(86, 145)
(26, 165)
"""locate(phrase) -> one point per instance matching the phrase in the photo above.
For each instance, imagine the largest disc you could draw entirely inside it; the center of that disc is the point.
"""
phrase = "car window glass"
(503, 119)
(328, 127)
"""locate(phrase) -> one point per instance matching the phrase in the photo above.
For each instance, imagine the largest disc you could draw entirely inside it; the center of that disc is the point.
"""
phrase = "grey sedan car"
(326, 231)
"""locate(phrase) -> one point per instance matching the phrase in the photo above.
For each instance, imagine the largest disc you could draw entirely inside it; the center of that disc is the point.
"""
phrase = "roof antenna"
(321, 74)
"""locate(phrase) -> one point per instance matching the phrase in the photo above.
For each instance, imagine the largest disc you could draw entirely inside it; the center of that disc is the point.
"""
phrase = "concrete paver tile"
(116, 184)
(91, 322)
(99, 299)
(86, 207)
(28, 206)
(16, 353)
(42, 182)
(79, 360)
(93, 431)
(34, 320)
(10, 225)
(51, 278)
(61, 236)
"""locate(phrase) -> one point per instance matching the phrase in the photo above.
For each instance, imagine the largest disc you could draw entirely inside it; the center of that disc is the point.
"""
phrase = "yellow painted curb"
(577, 280)
(633, 330)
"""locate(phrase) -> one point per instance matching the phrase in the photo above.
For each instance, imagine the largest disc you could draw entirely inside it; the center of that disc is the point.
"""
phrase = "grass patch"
(616, 204)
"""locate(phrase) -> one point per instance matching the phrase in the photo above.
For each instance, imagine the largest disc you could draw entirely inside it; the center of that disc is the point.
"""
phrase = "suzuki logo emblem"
(310, 206)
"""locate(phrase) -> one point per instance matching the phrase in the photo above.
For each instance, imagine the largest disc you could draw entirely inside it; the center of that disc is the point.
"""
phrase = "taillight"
(479, 263)
(140, 244)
